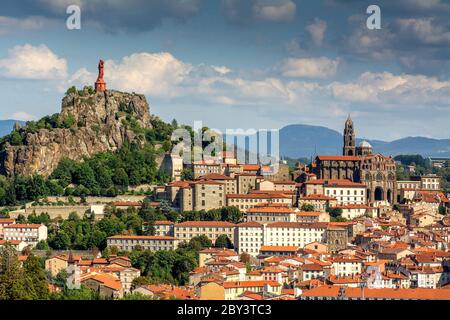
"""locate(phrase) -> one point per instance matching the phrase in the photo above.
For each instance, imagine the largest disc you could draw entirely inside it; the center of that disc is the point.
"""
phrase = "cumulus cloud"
(318, 68)
(277, 11)
(259, 10)
(388, 89)
(424, 30)
(317, 31)
(33, 62)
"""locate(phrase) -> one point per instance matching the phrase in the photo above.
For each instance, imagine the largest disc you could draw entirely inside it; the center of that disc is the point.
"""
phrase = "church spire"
(349, 138)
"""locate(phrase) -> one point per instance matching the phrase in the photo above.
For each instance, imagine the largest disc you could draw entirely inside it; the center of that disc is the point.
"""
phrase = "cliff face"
(98, 122)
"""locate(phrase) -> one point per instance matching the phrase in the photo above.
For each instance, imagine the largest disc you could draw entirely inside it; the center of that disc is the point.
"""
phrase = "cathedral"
(359, 164)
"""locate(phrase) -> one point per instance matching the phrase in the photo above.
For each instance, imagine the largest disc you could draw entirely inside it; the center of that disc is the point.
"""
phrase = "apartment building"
(249, 238)
(246, 182)
(320, 202)
(164, 228)
(29, 233)
(202, 168)
(343, 190)
(185, 231)
(346, 266)
(246, 201)
(203, 195)
(3, 223)
(234, 289)
(271, 213)
(353, 211)
(294, 233)
(312, 216)
(152, 243)
(230, 183)
(18, 245)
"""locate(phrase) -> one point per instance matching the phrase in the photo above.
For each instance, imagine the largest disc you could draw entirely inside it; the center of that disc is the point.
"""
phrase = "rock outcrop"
(94, 122)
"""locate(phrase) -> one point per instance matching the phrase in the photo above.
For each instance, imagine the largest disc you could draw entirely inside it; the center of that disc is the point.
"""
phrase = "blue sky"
(238, 63)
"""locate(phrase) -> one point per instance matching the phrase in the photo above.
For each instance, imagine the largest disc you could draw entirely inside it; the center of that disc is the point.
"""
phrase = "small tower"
(73, 273)
(349, 138)
(100, 84)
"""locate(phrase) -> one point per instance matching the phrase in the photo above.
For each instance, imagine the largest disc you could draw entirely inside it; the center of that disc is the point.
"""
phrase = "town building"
(152, 243)
(29, 233)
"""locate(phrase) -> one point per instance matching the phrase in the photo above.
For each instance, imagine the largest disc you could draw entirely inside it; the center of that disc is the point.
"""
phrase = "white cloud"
(425, 30)
(276, 11)
(395, 90)
(158, 74)
(33, 62)
(316, 68)
(22, 116)
(317, 31)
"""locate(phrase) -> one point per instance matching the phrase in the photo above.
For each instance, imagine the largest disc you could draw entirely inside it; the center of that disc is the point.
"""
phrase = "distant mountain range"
(298, 140)
(6, 126)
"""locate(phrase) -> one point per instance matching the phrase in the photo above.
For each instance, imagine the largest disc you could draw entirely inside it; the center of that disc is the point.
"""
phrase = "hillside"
(89, 123)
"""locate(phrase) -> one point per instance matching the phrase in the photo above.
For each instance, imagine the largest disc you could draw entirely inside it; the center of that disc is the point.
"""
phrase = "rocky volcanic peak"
(100, 122)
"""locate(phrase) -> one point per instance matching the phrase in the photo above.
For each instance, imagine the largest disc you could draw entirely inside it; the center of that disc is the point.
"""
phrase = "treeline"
(21, 282)
(422, 167)
(104, 174)
(84, 233)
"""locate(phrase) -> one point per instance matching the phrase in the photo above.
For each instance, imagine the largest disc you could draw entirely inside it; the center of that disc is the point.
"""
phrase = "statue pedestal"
(100, 85)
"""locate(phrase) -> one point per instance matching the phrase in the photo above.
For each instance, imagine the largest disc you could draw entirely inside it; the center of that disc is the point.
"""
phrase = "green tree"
(12, 284)
(35, 279)
(200, 242)
(335, 212)
(307, 207)
(187, 174)
(223, 241)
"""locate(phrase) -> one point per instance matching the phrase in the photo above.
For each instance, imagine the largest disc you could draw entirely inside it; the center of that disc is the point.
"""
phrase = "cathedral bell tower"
(349, 138)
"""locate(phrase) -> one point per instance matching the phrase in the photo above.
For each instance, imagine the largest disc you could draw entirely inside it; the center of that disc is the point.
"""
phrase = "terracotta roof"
(11, 242)
(419, 293)
(259, 196)
(311, 225)
(106, 279)
(6, 220)
(215, 176)
(249, 284)
(143, 237)
(205, 224)
(23, 225)
(336, 183)
(271, 209)
(339, 158)
(279, 248)
(250, 224)
(317, 197)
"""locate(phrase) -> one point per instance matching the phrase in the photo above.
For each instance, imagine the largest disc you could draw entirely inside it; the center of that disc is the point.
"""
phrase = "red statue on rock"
(100, 84)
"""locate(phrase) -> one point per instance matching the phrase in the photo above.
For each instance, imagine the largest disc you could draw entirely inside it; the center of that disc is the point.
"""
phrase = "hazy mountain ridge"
(305, 140)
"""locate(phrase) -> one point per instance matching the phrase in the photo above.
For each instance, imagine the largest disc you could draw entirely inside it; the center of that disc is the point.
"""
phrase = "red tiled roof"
(23, 225)
(418, 293)
(205, 224)
(143, 237)
(339, 158)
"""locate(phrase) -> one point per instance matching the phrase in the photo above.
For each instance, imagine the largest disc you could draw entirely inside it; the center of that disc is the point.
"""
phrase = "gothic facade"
(359, 164)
